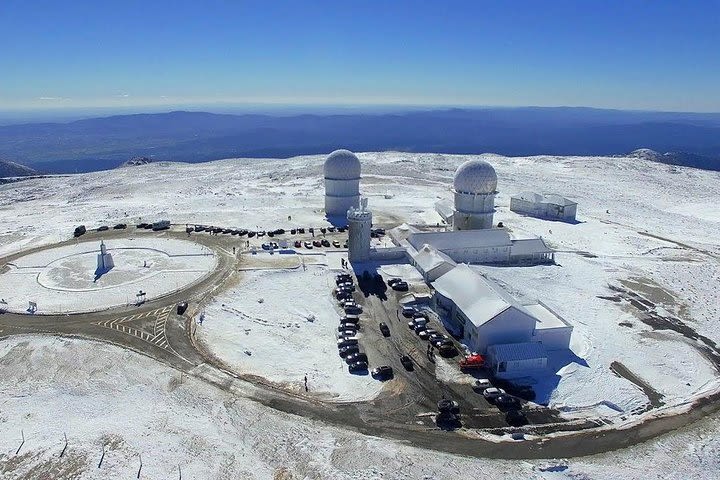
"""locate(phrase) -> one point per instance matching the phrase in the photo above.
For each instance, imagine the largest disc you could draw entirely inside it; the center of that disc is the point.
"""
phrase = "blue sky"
(630, 54)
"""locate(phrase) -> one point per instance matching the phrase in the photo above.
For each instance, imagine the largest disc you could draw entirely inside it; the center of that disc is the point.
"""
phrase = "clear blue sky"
(660, 55)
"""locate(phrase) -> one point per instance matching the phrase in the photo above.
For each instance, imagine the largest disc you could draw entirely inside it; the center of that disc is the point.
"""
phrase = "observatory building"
(342, 183)
(474, 188)
(359, 224)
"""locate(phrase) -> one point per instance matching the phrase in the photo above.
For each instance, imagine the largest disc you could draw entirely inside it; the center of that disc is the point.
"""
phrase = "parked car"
(354, 310)
(383, 373)
(350, 319)
(348, 326)
(347, 334)
(348, 350)
(345, 245)
(426, 334)
(384, 329)
(416, 321)
(358, 367)
(103, 228)
(182, 308)
(400, 286)
(122, 226)
(301, 230)
(393, 281)
(308, 245)
(508, 402)
(408, 311)
(251, 234)
(346, 342)
(293, 231)
(298, 244)
(356, 357)
(481, 384)
(317, 243)
(435, 336)
(336, 244)
(421, 314)
(419, 328)
(492, 393)
(79, 231)
(407, 363)
(516, 418)
(440, 342)
(447, 405)
(447, 350)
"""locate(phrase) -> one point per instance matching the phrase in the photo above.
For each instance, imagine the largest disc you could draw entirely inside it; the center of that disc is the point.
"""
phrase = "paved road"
(154, 329)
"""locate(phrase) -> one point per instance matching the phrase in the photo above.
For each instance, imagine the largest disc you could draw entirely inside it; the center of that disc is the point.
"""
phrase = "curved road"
(154, 329)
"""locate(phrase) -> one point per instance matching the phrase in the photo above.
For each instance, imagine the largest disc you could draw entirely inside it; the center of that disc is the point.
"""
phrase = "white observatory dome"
(475, 177)
(342, 165)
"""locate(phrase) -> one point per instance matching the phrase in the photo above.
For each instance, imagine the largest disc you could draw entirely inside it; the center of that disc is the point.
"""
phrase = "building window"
(502, 367)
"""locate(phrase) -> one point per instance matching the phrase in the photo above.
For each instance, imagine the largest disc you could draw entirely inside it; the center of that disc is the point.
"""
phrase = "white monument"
(359, 225)
(104, 260)
(474, 186)
(342, 182)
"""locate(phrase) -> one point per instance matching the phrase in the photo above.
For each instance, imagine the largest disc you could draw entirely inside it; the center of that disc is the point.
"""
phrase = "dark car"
(354, 310)
(325, 242)
(400, 286)
(407, 363)
(120, 226)
(311, 230)
(508, 402)
(447, 350)
(383, 373)
(419, 328)
(301, 230)
(349, 350)
(437, 343)
(317, 243)
(341, 229)
(181, 308)
(199, 228)
(298, 244)
(384, 329)
(343, 295)
(225, 231)
(103, 228)
(293, 231)
(426, 334)
(242, 233)
(358, 367)
(447, 405)
(79, 231)
(408, 311)
(251, 234)
(516, 418)
(331, 229)
(350, 319)
(356, 357)
(323, 230)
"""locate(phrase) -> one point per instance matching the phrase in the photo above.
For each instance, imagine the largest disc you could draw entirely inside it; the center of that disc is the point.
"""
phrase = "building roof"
(509, 352)
(342, 165)
(428, 258)
(476, 177)
(545, 318)
(479, 299)
(459, 239)
(445, 209)
(528, 246)
(551, 198)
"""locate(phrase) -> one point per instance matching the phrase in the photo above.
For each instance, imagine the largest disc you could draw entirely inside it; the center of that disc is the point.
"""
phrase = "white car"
(482, 384)
(492, 393)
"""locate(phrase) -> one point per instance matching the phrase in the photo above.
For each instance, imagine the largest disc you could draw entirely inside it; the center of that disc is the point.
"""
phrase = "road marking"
(158, 336)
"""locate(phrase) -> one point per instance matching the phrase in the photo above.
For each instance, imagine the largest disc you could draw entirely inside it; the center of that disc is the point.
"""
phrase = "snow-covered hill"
(642, 225)
(12, 169)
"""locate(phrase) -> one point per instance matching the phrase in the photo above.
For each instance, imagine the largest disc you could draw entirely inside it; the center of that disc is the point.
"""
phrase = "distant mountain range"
(103, 143)
(12, 169)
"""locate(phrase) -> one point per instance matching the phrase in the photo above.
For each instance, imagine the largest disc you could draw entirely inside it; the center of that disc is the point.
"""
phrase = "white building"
(430, 262)
(488, 318)
(474, 188)
(549, 205)
(359, 222)
(488, 246)
(514, 360)
(342, 183)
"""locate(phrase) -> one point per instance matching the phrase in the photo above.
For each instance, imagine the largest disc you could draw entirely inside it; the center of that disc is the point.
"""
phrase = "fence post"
(139, 469)
(65, 447)
(22, 432)
(102, 457)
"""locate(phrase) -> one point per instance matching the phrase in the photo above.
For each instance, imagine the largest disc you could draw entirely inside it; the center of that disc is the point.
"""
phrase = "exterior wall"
(473, 212)
(510, 326)
(340, 195)
(543, 210)
(437, 272)
(517, 368)
(393, 253)
(554, 338)
(359, 223)
(479, 255)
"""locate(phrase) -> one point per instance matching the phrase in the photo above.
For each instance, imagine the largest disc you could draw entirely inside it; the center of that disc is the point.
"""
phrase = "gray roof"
(509, 352)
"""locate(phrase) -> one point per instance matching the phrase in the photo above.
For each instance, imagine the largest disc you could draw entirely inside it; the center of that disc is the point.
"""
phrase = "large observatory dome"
(342, 165)
(475, 177)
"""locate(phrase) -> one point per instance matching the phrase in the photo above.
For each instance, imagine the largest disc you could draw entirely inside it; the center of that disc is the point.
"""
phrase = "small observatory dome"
(475, 177)
(342, 165)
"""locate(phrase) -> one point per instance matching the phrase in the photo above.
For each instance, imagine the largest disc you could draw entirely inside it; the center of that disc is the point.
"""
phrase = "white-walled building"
(489, 246)
(549, 206)
(342, 183)
(489, 319)
(474, 189)
(430, 262)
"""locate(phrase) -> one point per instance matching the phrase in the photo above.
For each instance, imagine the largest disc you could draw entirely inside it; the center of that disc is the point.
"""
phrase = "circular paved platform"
(66, 280)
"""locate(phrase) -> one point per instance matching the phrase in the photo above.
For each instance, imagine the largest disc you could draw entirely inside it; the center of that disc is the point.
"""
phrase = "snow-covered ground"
(282, 325)
(53, 387)
(64, 279)
(643, 222)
